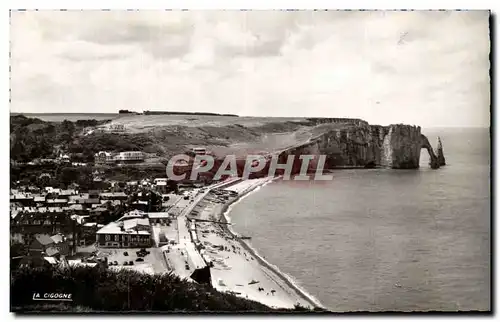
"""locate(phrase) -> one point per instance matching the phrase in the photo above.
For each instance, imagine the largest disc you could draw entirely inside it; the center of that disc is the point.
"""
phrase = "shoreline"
(226, 209)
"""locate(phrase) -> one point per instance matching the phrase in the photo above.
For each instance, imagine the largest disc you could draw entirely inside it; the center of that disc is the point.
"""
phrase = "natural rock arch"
(425, 144)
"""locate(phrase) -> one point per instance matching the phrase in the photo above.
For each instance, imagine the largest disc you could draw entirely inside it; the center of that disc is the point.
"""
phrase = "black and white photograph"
(250, 161)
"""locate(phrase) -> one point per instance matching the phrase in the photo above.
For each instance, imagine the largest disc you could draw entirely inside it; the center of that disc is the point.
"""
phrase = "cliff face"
(362, 145)
(440, 154)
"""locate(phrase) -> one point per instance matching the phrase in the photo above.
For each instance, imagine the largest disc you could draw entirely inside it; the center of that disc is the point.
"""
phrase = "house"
(52, 251)
(116, 128)
(140, 205)
(133, 214)
(54, 191)
(113, 196)
(60, 246)
(89, 202)
(25, 199)
(39, 200)
(47, 161)
(76, 208)
(104, 157)
(91, 226)
(94, 194)
(158, 218)
(129, 157)
(199, 151)
(79, 262)
(64, 158)
(161, 184)
(56, 202)
(33, 189)
(160, 180)
(42, 216)
(40, 244)
(76, 198)
(65, 194)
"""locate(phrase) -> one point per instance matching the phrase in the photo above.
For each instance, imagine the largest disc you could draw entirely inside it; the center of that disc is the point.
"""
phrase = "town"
(153, 226)
(112, 226)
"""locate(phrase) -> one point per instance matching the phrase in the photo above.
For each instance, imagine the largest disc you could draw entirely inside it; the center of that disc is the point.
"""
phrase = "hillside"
(99, 289)
(157, 135)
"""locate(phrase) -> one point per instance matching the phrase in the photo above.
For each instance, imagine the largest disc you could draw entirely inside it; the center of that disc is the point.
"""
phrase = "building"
(161, 184)
(44, 244)
(104, 157)
(48, 217)
(61, 244)
(199, 151)
(64, 158)
(24, 199)
(56, 202)
(159, 218)
(129, 157)
(113, 196)
(160, 180)
(65, 194)
(134, 233)
(114, 128)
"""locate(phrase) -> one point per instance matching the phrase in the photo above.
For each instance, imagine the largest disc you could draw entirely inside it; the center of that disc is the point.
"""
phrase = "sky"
(429, 68)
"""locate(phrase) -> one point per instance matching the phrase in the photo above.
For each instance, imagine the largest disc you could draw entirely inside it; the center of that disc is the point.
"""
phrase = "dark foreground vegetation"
(100, 289)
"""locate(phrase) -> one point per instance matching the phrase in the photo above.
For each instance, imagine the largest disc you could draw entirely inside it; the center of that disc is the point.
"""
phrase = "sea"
(381, 239)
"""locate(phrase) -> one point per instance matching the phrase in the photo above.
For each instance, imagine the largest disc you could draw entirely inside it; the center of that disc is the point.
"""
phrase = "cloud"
(420, 66)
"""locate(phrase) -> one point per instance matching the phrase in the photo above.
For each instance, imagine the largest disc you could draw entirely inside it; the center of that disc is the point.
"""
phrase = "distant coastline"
(185, 113)
(127, 112)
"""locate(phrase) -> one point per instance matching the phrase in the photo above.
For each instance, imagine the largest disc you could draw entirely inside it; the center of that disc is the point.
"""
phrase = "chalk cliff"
(440, 154)
(359, 144)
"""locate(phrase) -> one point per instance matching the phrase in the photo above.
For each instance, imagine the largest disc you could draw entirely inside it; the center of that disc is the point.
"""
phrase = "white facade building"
(130, 156)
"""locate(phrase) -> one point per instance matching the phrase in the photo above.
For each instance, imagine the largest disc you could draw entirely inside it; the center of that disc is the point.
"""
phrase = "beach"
(237, 268)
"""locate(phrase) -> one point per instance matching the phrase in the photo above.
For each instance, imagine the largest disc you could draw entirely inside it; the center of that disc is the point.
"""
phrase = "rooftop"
(114, 228)
(57, 238)
(132, 214)
(51, 251)
(57, 201)
(130, 224)
(156, 215)
(113, 194)
(44, 239)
